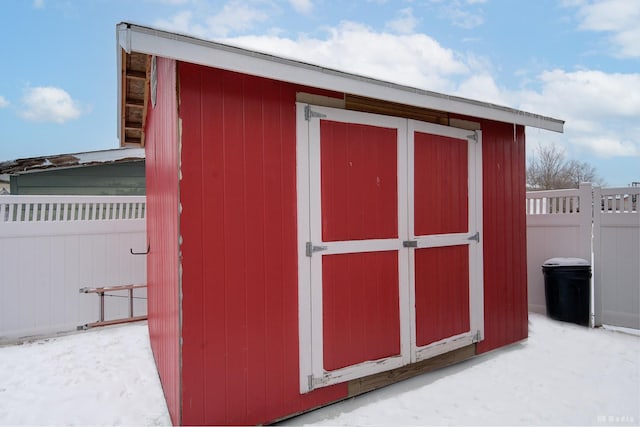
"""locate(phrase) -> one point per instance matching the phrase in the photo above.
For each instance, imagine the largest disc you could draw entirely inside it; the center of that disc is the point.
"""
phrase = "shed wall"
(162, 163)
(238, 225)
(505, 232)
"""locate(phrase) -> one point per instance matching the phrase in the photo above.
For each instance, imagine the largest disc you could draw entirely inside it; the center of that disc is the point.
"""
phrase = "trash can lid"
(563, 262)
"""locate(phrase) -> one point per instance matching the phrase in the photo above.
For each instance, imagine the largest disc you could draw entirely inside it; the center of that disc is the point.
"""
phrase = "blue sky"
(576, 60)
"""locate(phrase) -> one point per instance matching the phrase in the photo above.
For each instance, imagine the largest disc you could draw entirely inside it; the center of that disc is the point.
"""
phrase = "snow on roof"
(32, 164)
(141, 39)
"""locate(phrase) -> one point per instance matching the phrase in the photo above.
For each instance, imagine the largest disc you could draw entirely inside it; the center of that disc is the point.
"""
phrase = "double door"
(389, 228)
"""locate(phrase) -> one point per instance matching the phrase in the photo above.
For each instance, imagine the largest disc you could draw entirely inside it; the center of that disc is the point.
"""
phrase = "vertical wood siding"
(238, 225)
(162, 230)
(442, 293)
(441, 185)
(359, 181)
(360, 303)
(504, 239)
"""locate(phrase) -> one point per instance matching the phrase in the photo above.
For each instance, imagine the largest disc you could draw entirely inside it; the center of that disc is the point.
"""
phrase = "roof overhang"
(133, 84)
(134, 38)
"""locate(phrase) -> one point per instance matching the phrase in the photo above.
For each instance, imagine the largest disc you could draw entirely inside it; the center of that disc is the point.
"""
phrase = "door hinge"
(475, 237)
(473, 136)
(310, 249)
(477, 337)
(309, 113)
(410, 244)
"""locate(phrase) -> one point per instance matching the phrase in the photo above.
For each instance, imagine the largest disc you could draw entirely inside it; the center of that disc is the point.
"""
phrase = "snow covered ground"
(563, 375)
(103, 376)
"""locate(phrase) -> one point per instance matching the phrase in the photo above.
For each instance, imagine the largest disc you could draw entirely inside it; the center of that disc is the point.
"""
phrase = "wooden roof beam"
(136, 75)
(134, 103)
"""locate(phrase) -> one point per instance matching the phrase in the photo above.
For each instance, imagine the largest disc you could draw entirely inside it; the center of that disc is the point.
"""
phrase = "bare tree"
(548, 170)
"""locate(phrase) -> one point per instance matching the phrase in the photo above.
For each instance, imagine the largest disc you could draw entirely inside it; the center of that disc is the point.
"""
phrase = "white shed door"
(364, 242)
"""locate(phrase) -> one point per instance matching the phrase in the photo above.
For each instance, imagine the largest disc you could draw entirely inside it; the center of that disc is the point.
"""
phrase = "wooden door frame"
(312, 373)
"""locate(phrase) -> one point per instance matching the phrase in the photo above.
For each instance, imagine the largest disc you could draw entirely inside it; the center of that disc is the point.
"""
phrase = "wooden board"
(369, 105)
(372, 382)
(135, 83)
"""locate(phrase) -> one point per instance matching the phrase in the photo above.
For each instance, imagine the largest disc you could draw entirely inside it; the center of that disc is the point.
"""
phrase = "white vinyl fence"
(599, 225)
(51, 246)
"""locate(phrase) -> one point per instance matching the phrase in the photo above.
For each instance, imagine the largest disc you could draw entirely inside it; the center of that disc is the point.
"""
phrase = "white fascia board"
(114, 155)
(211, 54)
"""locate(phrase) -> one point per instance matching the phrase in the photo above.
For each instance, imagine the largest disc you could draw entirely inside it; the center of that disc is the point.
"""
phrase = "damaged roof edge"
(137, 38)
(71, 160)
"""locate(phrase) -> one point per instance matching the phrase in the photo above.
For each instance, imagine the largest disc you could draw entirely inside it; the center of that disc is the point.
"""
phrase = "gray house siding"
(123, 179)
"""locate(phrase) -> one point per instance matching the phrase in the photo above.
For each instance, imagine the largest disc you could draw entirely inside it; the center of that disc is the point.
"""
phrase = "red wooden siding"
(359, 182)
(442, 293)
(360, 305)
(441, 184)
(162, 231)
(239, 257)
(504, 236)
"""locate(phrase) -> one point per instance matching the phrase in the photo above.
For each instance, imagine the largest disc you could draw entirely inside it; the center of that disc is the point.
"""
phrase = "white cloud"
(302, 6)
(181, 23)
(619, 18)
(483, 87)
(3, 102)
(235, 16)
(600, 109)
(589, 93)
(405, 23)
(607, 145)
(411, 59)
(49, 104)
(38, 4)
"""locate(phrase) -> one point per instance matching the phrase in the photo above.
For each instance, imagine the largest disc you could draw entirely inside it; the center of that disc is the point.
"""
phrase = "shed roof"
(139, 41)
(74, 160)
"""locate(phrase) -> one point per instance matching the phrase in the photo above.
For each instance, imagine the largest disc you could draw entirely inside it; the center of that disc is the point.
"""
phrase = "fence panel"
(51, 246)
(558, 225)
(617, 256)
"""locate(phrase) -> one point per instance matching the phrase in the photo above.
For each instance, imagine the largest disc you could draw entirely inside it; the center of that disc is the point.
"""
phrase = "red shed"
(316, 234)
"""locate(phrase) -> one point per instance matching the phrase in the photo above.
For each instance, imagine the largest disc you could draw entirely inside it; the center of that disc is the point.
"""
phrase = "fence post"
(585, 193)
(588, 210)
(596, 283)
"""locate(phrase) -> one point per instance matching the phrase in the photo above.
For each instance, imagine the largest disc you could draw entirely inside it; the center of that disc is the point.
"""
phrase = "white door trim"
(312, 372)
(309, 210)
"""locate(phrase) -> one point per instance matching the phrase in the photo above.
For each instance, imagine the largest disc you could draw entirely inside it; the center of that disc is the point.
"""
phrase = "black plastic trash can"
(567, 289)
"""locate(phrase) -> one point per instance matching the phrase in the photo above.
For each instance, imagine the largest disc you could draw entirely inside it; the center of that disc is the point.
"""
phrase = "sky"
(575, 60)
